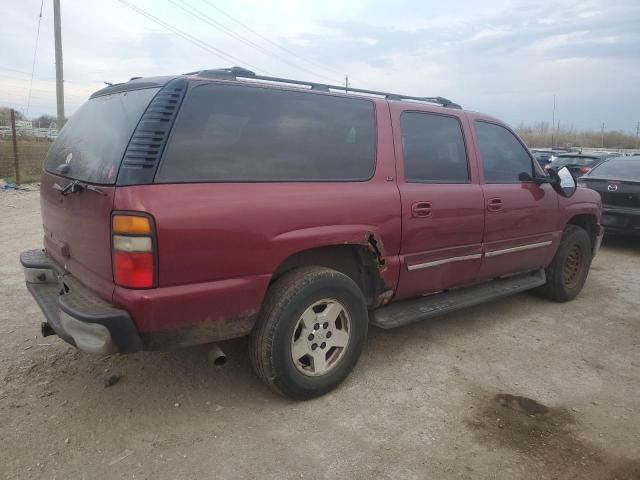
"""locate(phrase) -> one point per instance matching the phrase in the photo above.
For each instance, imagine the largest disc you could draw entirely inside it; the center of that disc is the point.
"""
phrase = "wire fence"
(32, 152)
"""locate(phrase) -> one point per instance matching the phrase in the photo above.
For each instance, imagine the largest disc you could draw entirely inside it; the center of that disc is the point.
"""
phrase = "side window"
(504, 159)
(433, 149)
(231, 133)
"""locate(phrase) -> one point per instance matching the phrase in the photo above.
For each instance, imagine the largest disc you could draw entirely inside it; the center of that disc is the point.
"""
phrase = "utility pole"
(57, 29)
(638, 134)
(16, 161)
(602, 135)
(346, 83)
(553, 120)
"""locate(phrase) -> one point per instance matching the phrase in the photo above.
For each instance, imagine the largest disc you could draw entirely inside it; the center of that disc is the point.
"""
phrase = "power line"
(76, 85)
(190, 38)
(221, 27)
(43, 90)
(35, 52)
(248, 28)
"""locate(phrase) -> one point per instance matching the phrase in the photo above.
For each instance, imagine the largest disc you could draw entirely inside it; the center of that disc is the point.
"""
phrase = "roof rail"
(239, 72)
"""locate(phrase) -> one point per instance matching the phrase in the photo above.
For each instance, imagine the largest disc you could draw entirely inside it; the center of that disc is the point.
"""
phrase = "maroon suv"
(217, 204)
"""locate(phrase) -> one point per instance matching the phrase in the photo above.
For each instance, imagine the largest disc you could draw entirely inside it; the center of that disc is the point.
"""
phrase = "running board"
(405, 312)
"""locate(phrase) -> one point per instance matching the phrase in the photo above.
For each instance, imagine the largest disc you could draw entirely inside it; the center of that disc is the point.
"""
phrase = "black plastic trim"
(142, 156)
(80, 303)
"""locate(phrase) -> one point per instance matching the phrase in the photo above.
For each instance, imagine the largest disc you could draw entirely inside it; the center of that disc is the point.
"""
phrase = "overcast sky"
(505, 58)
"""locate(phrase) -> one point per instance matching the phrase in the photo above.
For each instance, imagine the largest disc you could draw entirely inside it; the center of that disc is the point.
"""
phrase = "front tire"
(567, 273)
(310, 333)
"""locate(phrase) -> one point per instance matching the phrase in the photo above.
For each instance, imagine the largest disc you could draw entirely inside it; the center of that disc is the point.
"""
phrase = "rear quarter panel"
(238, 233)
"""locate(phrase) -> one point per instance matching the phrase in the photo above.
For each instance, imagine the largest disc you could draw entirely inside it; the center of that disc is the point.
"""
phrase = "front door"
(442, 202)
(521, 223)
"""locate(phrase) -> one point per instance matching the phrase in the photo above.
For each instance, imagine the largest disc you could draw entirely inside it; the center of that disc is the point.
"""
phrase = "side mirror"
(564, 183)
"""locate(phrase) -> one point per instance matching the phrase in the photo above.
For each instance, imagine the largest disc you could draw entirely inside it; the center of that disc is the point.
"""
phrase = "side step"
(405, 312)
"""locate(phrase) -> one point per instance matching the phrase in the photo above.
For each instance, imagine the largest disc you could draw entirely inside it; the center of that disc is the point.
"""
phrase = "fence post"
(16, 161)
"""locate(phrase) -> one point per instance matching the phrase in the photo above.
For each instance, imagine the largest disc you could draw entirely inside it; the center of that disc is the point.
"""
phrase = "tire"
(568, 270)
(295, 305)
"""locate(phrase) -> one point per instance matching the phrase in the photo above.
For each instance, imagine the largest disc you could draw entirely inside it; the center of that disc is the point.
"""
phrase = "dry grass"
(31, 155)
(539, 135)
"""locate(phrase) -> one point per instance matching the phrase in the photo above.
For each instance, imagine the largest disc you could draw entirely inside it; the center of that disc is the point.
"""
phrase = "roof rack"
(239, 72)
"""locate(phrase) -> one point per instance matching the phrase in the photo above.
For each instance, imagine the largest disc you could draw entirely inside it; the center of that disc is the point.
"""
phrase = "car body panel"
(442, 249)
(219, 244)
(77, 232)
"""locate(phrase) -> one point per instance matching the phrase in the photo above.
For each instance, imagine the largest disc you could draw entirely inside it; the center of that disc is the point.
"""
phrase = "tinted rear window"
(235, 133)
(93, 142)
(618, 169)
(433, 148)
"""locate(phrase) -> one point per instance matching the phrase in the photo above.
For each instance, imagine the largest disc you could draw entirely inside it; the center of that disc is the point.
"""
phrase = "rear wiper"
(76, 186)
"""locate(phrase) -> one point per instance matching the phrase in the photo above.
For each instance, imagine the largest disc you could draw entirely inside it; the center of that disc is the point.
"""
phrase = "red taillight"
(133, 250)
(134, 270)
(585, 169)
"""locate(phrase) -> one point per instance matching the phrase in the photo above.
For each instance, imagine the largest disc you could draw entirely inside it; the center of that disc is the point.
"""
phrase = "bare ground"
(516, 389)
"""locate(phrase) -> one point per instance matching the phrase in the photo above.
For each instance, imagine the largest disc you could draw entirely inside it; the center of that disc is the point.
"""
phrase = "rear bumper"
(76, 314)
(621, 219)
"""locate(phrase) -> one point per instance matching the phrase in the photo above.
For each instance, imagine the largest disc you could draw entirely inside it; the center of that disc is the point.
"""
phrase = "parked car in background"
(617, 180)
(605, 153)
(577, 163)
(5, 131)
(543, 157)
(202, 207)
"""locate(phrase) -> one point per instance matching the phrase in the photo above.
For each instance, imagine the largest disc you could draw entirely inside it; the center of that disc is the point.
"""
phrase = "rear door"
(89, 149)
(522, 223)
(442, 202)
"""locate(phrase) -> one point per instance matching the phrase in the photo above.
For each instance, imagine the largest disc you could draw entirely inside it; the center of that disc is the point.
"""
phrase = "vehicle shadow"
(621, 243)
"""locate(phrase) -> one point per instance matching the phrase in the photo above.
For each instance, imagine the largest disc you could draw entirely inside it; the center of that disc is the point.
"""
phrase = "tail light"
(133, 244)
(585, 169)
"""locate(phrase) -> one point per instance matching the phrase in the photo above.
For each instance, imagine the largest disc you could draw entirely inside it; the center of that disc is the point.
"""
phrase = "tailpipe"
(216, 356)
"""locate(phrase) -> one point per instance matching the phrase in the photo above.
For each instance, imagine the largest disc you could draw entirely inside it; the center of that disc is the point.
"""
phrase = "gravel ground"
(519, 388)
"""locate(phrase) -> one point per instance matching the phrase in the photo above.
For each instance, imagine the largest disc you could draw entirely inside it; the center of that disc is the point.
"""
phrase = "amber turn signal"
(131, 224)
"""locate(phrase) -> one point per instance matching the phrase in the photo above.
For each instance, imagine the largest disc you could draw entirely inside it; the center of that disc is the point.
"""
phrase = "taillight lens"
(133, 251)
(585, 169)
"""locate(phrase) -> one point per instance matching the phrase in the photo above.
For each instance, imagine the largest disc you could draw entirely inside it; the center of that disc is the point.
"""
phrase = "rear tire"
(567, 273)
(310, 332)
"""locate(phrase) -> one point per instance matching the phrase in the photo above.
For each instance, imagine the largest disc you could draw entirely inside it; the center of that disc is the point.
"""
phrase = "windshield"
(93, 142)
(619, 169)
(579, 161)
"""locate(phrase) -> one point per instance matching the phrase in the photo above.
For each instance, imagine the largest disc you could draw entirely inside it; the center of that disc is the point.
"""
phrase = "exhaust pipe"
(216, 356)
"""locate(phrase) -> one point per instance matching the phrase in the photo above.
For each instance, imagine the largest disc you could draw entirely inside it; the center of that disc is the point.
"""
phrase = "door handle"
(421, 209)
(494, 204)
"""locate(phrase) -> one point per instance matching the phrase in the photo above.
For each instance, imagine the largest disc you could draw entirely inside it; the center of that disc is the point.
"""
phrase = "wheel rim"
(321, 337)
(572, 266)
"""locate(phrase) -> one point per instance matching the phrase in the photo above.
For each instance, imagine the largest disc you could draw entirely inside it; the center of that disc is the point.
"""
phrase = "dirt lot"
(521, 388)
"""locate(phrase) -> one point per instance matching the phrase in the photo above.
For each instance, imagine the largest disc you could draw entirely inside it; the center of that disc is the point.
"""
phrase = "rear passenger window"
(237, 134)
(504, 159)
(433, 149)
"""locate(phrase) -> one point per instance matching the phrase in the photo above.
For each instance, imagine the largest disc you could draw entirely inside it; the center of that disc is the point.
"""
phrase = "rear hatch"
(615, 193)
(618, 182)
(88, 151)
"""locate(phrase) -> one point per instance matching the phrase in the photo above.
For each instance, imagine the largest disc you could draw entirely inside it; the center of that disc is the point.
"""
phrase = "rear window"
(93, 142)
(433, 149)
(618, 169)
(235, 133)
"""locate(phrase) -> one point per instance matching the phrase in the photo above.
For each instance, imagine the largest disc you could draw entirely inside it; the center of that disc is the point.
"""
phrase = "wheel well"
(587, 222)
(358, 262)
